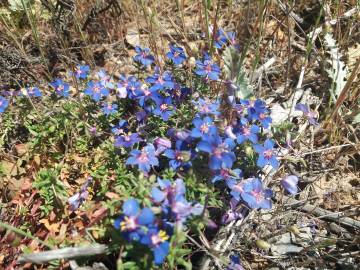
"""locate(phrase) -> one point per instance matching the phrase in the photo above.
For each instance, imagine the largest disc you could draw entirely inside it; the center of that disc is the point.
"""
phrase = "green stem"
(25, 234)
(206, 13)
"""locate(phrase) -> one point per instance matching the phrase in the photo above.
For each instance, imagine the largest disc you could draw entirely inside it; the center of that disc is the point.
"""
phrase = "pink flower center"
(128, 224)
(205, 108)
(143, 158)
(262, 116)
(268, 153)
(218, 151)
(224, 173)
(176, 54)
(163, 107)
(246, 131)
(160, 80)
(127, 138)
(178, 156)
(208, 68)
(147, 92)
(157, 239)
(239, 188)
(204, 128)
(258, 195)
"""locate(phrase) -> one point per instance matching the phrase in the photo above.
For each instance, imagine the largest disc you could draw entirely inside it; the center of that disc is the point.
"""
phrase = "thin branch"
(64, 253)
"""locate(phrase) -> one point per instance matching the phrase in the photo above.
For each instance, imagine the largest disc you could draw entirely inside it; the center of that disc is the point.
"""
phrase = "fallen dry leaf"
(112, 195)
(52, 228)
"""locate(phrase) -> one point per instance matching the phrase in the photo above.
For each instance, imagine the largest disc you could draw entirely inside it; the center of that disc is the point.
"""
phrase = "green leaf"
(18, 5)
(337, 71)
(356, 119)
(236, 74)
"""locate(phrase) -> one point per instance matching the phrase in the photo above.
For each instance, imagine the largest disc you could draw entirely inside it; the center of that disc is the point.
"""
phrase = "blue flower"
(143, 56)
(105, 79)
(164, 107)
(127, 140)
(220, 39)
(178, 134)
(171, 196)
(81, 72)
(160, 81)
(4, 103)
(247, 132)
(226, 174)
(264, 119)
(203, 127)
(234, 263)
(133, 87)
(206, 107)
(168, 191)
(78, 198)
(266, 154)
(179, 157)
(144, 158)
(207, 69)
(96, 90)
(61, 88)
(121, 87)
(219, 150)
(157, 241)
(231, 36)
(290, 183)
(144, 94)
(254, 108)
(176, 55)
(232, 214)
(255, 195)
(179, 93)
(161, 145)
(31, 92)
(237, 187)
(133, 219)
(307, 113)
(109, 108)
(120, 128)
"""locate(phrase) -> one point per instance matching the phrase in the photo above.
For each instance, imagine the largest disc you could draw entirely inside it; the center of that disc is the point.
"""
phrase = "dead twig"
(64, 253)
(323, 214)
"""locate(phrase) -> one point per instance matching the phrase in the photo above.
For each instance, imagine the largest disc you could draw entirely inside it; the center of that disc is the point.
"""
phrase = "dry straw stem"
(322, 213)
(64, 253)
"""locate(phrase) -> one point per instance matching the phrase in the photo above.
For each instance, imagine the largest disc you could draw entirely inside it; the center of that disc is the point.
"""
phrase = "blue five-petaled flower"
(144, 158)
(219, 150)
(96, 90)
(176, 55)
(61, 88)
(143, 56)
(266, 154)
(133, 219)
(207, 68)
(4, 103)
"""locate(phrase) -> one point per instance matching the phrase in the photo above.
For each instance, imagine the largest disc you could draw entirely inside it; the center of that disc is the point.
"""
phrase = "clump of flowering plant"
(166, 122)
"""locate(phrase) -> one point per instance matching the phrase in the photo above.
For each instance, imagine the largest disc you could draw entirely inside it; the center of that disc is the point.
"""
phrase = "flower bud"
(192, 62)
(289, 183)
(249, 151)
(294, 229)
(262, 244)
